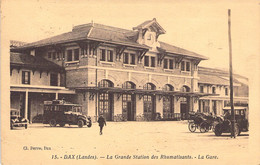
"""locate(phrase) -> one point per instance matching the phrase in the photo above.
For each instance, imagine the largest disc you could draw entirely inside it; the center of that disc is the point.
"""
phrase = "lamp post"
(231, 77)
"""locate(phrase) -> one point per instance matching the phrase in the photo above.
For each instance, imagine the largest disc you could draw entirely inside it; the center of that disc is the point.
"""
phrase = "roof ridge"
(112, 27)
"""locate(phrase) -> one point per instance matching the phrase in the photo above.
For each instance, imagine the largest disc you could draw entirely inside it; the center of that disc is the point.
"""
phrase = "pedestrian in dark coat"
(102, 122)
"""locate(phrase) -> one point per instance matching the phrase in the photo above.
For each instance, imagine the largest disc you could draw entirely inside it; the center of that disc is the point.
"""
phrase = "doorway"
(128, 108)
(106, 105)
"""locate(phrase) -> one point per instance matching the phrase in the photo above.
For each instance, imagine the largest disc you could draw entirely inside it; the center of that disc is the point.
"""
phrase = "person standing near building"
(102, 122)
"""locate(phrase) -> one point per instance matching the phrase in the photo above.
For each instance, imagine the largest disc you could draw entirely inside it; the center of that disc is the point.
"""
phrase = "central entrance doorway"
(149, 103)
(128, 102)
(128, 107)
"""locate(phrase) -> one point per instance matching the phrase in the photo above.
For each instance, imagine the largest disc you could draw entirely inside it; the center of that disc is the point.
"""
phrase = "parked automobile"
(61, 112)
(16, 120)
(241, 121)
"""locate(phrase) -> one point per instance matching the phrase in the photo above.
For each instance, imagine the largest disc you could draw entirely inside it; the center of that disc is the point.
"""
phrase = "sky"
(198, 26)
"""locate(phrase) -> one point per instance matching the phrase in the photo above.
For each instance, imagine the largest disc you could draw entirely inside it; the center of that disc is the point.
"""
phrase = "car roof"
(65, 104)
(235, 107)
(12, 109)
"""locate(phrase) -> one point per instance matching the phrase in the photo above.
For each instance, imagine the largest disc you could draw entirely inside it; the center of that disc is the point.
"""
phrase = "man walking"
(102, 122)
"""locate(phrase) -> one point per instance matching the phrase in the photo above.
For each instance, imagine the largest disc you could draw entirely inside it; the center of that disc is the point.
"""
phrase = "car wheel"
(80, 123)
(89, 124)
(218, 130)
(62, 124)
(25, 126)
(192, 127)
(53, 123)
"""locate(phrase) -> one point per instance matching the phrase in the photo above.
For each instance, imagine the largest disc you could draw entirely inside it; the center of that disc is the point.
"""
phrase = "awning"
(142, 91)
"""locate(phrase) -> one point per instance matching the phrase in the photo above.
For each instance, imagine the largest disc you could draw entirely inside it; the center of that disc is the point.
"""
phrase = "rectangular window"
(49, 54)
(110, 56)
(54, 79)
(25, 77)
(213, 90)
(226, 91)
(103, 55)
(126, 58)
(54, 55)
(146, 60)
(58, 55)
(82, 51)
(132, 56)
(183, 66)
(76, 54)
(165, 63)
(187, 66)
(69, 55)
(152, 61)
(170, 64)
(201, 89)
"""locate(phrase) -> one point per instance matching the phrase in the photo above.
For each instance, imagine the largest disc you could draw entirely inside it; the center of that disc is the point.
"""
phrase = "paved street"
(143, 139)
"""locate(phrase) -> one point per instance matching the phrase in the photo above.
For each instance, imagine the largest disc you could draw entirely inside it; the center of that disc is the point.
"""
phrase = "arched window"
(105, 83)
(168, 87)
(185, 89)
(128, 85)
(149, 86)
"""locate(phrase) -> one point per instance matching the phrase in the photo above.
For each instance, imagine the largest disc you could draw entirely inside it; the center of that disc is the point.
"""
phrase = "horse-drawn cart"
(203, 122)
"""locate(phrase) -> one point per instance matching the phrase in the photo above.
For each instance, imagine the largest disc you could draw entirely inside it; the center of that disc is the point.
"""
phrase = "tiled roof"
(91, 31)
(211, 79)
(109, 34)
(176, 50)
(18, 59)
(65, 37)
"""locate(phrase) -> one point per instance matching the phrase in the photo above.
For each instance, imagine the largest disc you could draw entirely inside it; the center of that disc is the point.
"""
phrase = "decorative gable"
(148, 33)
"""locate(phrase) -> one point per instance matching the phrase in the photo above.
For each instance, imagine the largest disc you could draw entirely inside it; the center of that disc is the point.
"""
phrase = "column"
(159, 105)
(56, 96)
(177, 108)
(139, 106)
(210, 106)
(92, 105)
(117, 104)
(26, 105)
(195, 104)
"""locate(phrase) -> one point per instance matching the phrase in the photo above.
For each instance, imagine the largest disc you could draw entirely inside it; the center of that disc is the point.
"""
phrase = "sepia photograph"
(130, 82)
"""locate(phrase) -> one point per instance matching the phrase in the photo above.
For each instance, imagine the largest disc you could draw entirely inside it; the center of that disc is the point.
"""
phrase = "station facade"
(126, 74)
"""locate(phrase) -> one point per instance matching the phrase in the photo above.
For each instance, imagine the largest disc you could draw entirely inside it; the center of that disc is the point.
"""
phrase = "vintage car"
(61, 112)
(16, 120)
(241, 121)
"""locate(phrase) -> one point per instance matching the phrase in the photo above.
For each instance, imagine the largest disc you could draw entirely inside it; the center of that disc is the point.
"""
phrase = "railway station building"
(119, 73)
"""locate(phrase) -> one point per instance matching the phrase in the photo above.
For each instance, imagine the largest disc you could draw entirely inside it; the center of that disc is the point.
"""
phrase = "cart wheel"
(192, 127)
(62, 124)
(80, 123)
(218, 130)
(89, 124)
(52, 123)
(237, 130)
(204, 127)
